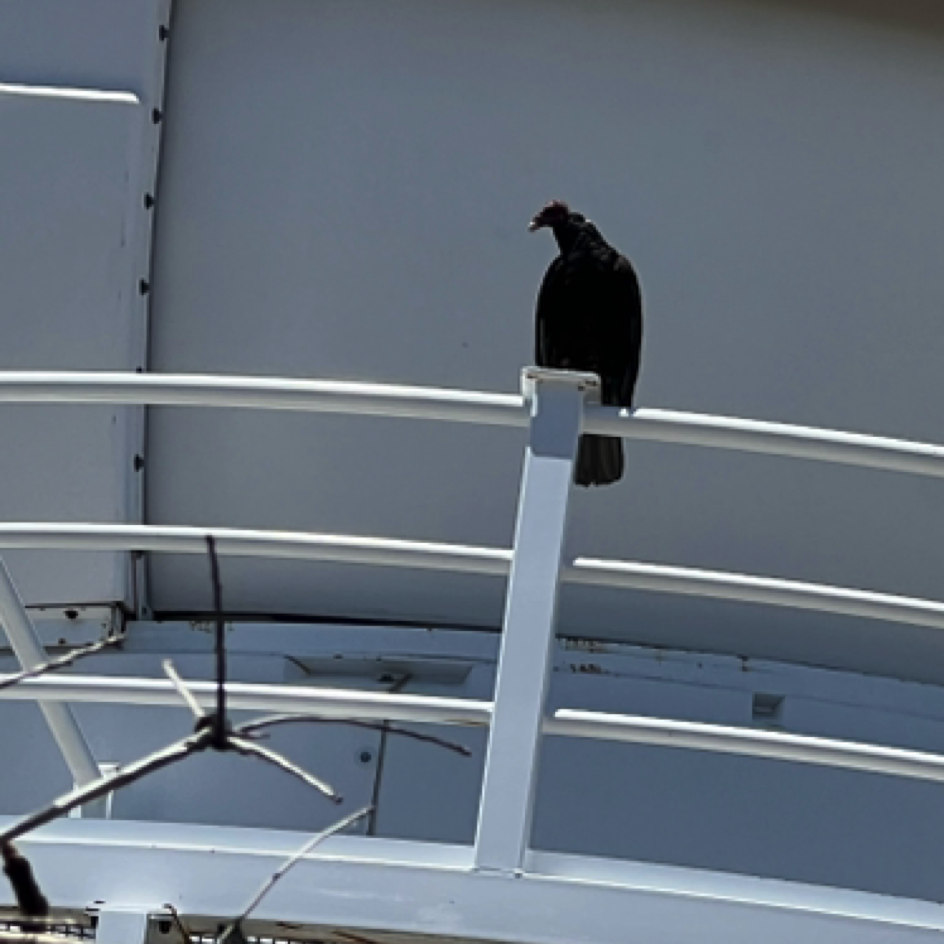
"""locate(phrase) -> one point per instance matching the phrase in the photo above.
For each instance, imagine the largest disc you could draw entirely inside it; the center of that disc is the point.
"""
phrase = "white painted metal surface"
(432, 889)
(657, 578)
(749, 589)
(126, 925)
(530, 623)
(345, 704)
(468, 406)
(286, 545)
(324, 703)
(80, 100)
(15, 621)
(784, 233)
(775, 745)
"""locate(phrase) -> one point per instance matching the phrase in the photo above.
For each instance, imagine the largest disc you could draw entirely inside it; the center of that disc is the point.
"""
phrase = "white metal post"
(530, 607)
(30, 652)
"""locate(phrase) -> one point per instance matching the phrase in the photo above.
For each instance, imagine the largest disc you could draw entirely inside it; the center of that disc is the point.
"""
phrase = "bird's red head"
(555, 213)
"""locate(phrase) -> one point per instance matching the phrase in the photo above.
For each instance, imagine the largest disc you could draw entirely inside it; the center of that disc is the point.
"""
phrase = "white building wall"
(344, 194)
(78, 86)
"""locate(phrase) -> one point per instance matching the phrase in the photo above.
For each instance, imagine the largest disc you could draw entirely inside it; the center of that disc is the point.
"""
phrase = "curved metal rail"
(464, 406)
(467, 559)
(344, 704)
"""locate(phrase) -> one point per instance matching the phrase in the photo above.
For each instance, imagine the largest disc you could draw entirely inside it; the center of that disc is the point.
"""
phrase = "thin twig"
(182, 690)
(314, 841)
(105, 785)
(175, 917)
(245, 746)
(250, 727)
(72, 656)
(219, 721)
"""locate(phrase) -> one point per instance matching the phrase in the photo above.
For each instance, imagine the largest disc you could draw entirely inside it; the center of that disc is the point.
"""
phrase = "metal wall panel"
(79, 84)
(345, 191)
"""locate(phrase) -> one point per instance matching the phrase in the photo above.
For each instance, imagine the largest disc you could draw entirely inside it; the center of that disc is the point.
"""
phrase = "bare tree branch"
(247, 747)
(212, 731)
(182, 690)
(219, 719)
(250, 727)
(105, 785)
(305, 849)
(72, 656)
(184, 933)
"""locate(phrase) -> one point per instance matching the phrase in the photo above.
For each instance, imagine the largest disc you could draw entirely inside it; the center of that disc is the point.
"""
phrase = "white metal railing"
(553, 408)
(460, 558)
(344, 704)
(464, 406)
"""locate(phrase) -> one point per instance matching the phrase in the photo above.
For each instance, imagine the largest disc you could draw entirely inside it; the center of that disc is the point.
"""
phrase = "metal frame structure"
(553, 405)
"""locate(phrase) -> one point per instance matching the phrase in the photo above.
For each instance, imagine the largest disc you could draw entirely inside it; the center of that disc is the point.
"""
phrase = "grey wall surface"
(344, 193)
(78, 83)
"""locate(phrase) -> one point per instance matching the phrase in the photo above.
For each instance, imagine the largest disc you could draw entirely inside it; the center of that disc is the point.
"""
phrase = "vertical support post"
(507, 799)
(119, 926)
(30, 652)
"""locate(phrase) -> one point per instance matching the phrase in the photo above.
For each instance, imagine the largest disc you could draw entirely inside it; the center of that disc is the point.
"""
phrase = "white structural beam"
(511, 765)
(405, 889)
(632, 575)
(775, 745)
(30, 652)
(321, 702)
(463, 406)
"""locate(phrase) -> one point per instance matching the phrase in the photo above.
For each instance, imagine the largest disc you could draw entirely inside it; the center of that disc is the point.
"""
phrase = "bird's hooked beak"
(536, 224)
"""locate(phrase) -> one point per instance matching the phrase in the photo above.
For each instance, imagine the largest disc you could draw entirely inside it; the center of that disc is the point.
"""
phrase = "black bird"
(589, 317)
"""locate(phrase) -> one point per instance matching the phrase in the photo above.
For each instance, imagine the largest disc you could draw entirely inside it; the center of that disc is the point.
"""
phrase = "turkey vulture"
(589, 317)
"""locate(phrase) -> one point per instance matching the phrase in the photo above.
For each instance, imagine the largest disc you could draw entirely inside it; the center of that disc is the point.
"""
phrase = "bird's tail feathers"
(599, 460)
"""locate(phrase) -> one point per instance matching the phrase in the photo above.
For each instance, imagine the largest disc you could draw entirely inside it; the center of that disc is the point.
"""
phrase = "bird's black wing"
(589, 317)
(549, 312)
(622, 334)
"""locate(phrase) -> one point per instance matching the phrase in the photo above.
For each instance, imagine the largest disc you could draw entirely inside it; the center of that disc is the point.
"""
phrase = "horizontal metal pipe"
(345, 704)
(779, 439)
(234, 542)
(264, 393)
(770, 591)
(658, 578)
(73, 94)
(796, 748)
(321, 702)
(465, 406)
